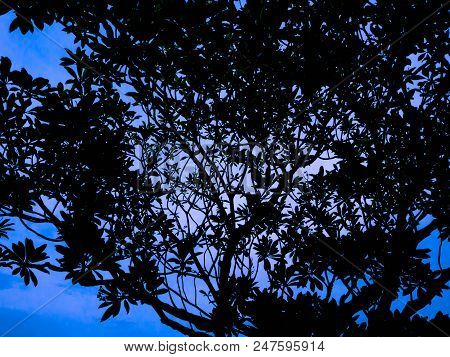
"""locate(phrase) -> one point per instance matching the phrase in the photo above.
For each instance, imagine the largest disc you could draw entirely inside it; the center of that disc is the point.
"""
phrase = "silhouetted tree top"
(258, 168)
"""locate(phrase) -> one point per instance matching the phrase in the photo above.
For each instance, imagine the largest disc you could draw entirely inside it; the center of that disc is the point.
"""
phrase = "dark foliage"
(171, 162)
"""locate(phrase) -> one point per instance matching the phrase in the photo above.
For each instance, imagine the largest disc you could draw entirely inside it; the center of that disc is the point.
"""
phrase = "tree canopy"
(257, 168)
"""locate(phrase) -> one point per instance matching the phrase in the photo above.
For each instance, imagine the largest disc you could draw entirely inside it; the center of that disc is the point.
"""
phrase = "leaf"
(127, 306)
(5, 67)
(5, 227)
(161, 291)
(33, 278)
(111, 311)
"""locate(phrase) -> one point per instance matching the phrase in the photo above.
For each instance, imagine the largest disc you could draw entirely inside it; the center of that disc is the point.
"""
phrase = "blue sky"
(74, 311)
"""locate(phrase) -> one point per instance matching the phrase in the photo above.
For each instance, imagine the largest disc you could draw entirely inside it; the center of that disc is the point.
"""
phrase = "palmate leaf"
(112, 311)
(25, 257)
(5, 227)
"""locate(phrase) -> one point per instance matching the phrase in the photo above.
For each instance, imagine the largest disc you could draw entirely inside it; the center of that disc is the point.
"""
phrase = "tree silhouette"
(261, 168)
